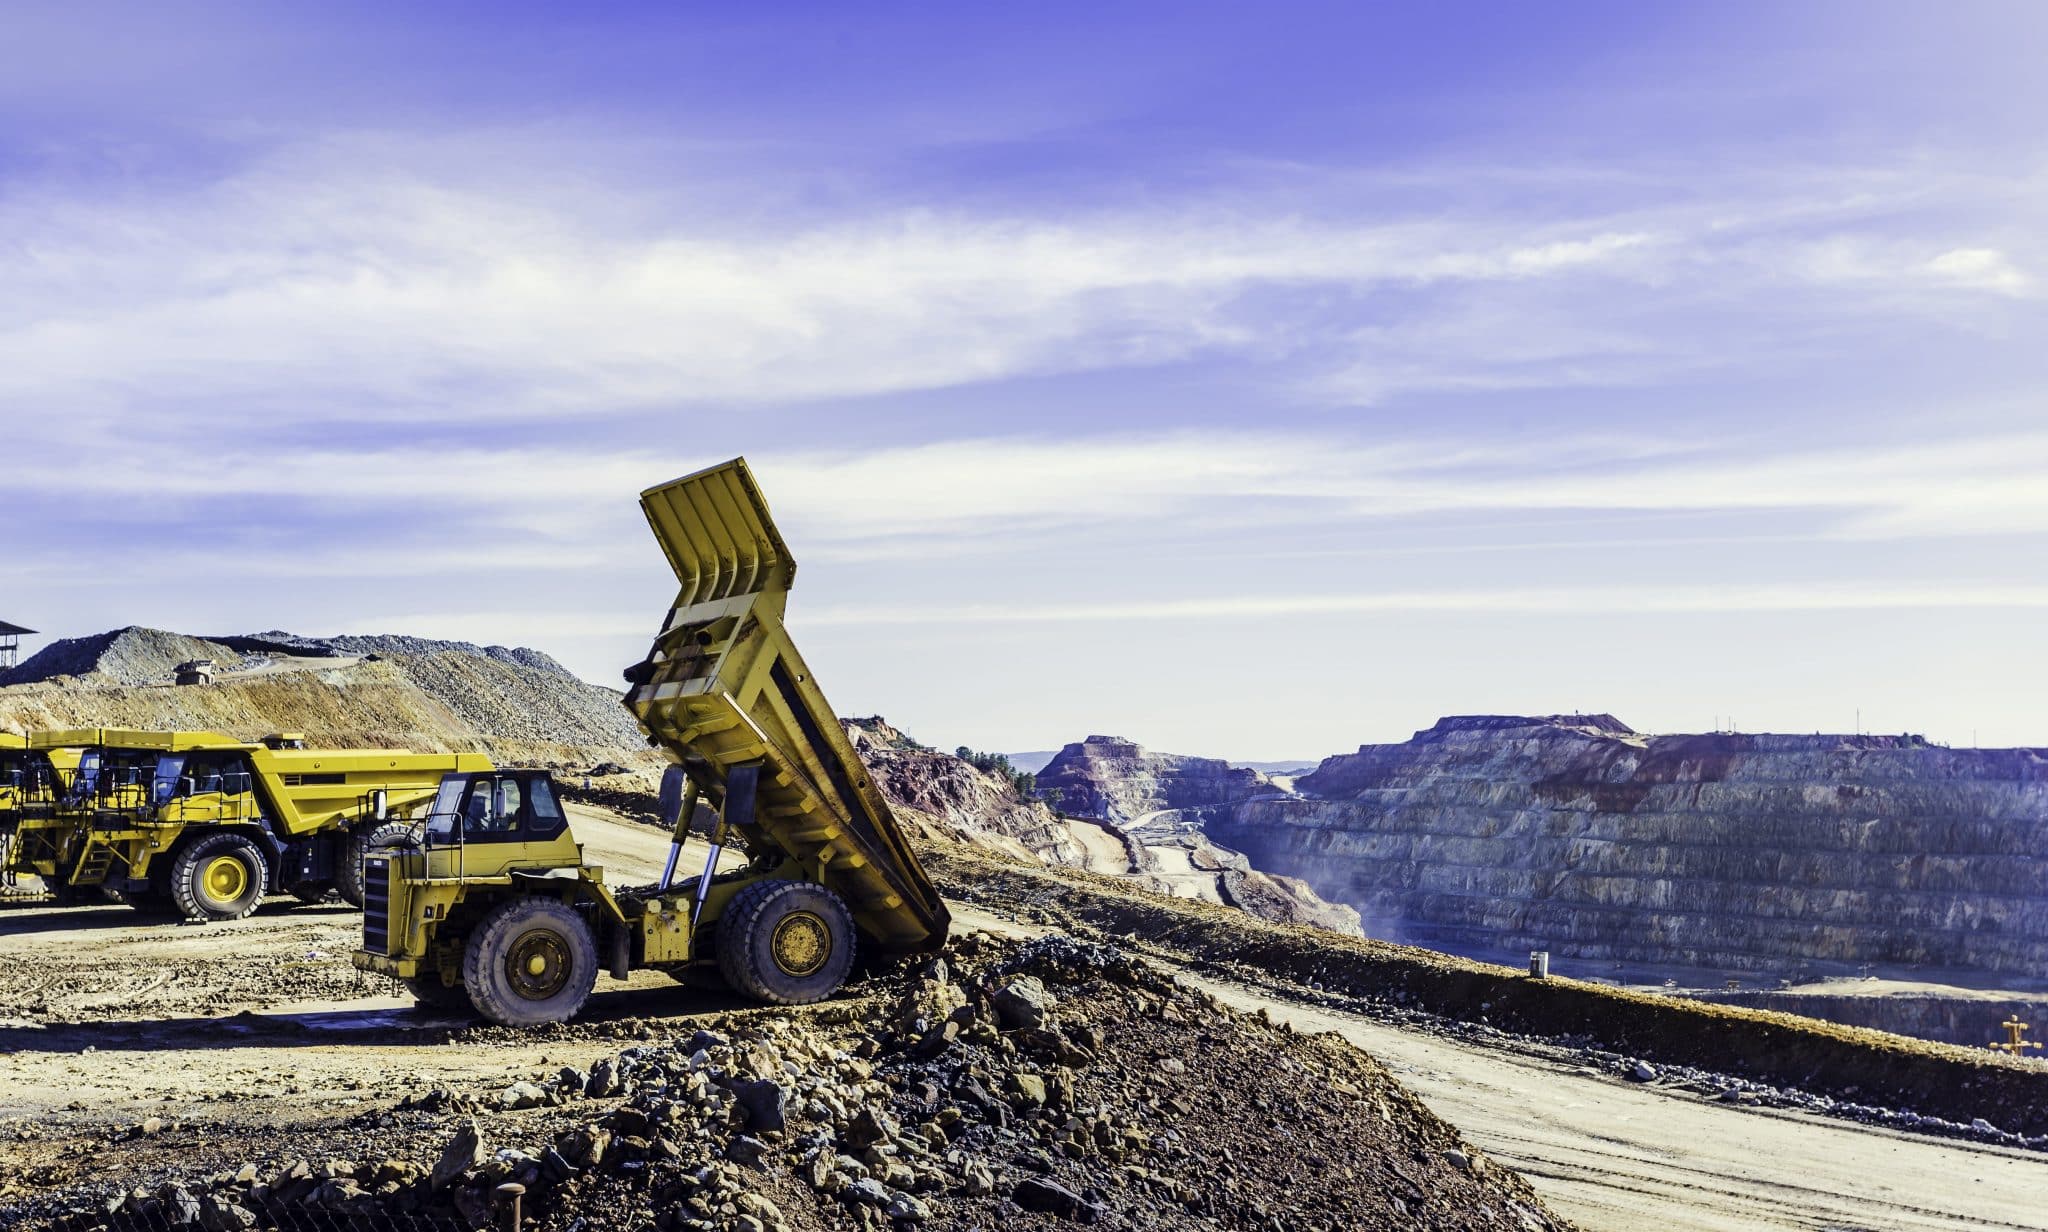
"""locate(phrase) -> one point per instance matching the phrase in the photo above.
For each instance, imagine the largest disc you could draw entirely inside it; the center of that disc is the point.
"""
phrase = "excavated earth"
(1113, 1046)
(999, 1084)
(276, 1086)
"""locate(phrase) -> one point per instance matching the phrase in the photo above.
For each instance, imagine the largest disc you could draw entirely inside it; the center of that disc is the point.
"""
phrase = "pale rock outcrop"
(1120, 781)
(1500, 834)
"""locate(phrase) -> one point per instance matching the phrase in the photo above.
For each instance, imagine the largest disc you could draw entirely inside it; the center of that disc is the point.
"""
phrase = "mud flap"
(619, 943)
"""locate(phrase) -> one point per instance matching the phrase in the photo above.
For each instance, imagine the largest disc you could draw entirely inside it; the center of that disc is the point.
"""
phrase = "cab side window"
(509, 799)
(547, 815)
(496, 810)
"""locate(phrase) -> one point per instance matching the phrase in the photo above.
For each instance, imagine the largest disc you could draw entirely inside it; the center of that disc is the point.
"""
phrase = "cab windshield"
(441, 816)
(164, 783)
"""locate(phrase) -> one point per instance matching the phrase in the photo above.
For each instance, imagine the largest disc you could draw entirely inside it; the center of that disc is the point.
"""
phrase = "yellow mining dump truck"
(205, 825)
(30, 782)
(491, 903)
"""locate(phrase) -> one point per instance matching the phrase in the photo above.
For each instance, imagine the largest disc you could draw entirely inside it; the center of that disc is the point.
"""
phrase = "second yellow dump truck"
(30, 781)
(206, 826)
(490, 904)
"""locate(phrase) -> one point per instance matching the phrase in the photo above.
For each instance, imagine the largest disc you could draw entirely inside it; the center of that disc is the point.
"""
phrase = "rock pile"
(130, 656)
(519, 705)
(995, 1085)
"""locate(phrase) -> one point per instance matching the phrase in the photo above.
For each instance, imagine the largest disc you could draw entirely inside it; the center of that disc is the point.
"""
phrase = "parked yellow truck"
(31, 781)
(206, 826)
(490, 903)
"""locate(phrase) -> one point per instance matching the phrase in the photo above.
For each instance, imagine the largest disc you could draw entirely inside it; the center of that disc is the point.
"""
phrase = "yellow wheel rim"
(801, 943)
(537, 964)
(225, 879)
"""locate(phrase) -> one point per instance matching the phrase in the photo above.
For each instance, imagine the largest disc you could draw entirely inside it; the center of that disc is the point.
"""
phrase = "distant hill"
(1039, 759)
(517, 704)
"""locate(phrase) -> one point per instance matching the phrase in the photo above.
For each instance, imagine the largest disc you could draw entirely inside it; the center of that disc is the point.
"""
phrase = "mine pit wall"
(1733, 852)
(1970, 1022)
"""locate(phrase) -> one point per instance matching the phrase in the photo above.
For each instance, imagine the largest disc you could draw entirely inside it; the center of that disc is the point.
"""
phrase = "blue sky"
(1247, 381)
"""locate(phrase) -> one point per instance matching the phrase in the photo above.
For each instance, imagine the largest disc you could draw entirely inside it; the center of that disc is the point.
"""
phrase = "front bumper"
(383, 964)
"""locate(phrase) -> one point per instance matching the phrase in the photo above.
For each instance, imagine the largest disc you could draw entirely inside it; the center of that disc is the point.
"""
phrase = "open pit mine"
(1175, 996)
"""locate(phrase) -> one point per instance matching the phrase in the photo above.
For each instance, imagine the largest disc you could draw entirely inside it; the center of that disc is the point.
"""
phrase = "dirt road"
(1616, 1156)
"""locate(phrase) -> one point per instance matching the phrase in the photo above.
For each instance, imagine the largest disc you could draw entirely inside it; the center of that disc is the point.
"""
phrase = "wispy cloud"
(1606, 600)
(346, 275)
(1018, 485)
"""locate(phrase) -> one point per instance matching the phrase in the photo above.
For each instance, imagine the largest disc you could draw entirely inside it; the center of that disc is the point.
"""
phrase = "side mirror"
(673, 780)
(380, 804)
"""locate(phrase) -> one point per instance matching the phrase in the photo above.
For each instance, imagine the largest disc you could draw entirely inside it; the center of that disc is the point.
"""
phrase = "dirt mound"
(518, 705)
(401, 644)
(1000, 1084)
(130, 656)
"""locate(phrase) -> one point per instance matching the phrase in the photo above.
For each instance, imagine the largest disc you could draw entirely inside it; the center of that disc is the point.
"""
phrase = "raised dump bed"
(724, 687)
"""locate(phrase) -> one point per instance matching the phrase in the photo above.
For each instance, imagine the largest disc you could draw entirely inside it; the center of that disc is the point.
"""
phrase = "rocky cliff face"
(938, 795)
(1499, 834)
(941, 793)
(1119, 781)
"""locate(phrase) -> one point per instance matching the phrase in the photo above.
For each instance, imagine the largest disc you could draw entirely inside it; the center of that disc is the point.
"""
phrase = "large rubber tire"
(786, 942)
(219, 877)
(348, 869)
(429, 991)
(532, 961)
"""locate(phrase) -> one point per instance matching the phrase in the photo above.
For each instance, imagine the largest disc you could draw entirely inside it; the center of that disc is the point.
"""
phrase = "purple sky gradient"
(1247, 381)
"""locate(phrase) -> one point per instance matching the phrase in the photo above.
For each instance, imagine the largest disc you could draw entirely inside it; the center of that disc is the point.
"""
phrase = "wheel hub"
(224, 879)
(801, 943)
(537, 964)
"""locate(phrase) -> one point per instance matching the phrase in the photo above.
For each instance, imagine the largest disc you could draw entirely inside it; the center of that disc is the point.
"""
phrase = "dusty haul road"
(108, 1024)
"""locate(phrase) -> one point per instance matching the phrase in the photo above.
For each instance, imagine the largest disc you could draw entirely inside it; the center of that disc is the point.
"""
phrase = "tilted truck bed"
(724, 687)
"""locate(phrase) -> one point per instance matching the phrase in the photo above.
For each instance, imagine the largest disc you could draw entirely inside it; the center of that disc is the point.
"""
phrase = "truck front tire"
(348, 869)
(532, 961)
(218, 877)
(786, 942)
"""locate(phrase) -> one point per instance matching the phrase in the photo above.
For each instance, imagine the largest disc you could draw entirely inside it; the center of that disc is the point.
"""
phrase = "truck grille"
(377, 905)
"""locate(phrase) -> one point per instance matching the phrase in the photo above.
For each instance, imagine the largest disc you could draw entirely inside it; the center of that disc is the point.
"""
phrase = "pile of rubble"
(994, 1085)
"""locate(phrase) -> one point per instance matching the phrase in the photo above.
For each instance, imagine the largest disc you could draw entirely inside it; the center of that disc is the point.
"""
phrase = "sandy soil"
(107, 1019)
(1105, 852)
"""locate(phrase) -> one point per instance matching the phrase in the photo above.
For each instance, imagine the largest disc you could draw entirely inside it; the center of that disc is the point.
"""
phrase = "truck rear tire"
(532, 961)
(348, 870)
(786, 942)
(218, 877)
